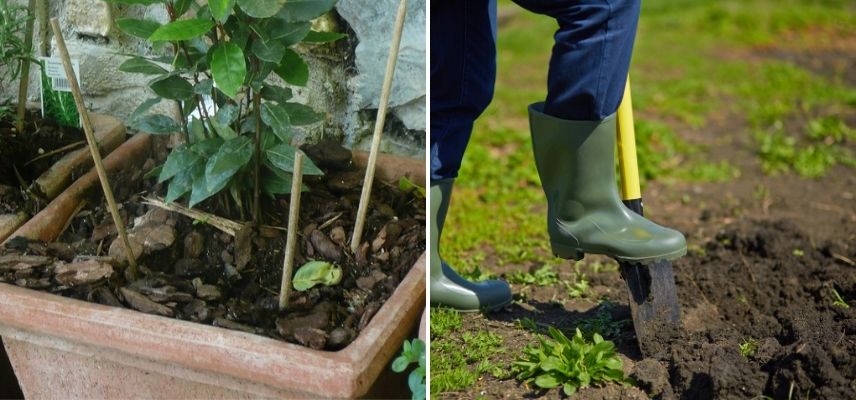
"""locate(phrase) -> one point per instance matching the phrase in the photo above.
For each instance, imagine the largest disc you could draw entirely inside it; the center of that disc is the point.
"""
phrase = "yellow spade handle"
(627, 167)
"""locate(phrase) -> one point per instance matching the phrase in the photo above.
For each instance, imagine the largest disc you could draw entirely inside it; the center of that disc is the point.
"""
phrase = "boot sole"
(576, 254)
(476, 310)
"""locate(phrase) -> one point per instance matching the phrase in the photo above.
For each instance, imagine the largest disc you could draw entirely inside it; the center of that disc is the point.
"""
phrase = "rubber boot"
(576, 163)
(447, 287)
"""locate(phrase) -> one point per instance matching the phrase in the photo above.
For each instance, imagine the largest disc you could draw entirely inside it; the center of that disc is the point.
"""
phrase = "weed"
(603, 324)
(838, 301)
(450, 367)
(528, 324)
(544, 276)
(748, 347)
(577, 287)
(798, 253)
(444, 321)
(476, 274)
(413, 352)
(571, 363)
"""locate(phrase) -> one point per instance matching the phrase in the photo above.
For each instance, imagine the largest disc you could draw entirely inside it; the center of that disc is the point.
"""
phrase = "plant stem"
(291, 234)
(25, 68)
(257, 102)
(93, 147)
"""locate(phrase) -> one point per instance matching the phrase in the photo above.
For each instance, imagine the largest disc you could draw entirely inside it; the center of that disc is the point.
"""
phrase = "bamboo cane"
(291, 238)
(93, 145)
(378, 130)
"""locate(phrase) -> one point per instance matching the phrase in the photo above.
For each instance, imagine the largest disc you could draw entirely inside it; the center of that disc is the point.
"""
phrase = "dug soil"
(22, 158)
(193, 271)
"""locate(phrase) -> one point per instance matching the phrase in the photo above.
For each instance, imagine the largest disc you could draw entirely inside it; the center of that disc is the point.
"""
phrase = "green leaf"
(156, 124)
(224, 131)
(261, 8)
(233, 155)
(286, 33)
(143, 108)
(273, 183)
(547, 381)
(179, 185)
(139, 65)
(228, 67)
(226, 114)
(179, 159)
(305, 10)
(185, 29)
(314, 273)
(140, 2)
(277, 118)
(197, 130)
(282, 157)
(400, 364)
(206, 148)
(221, 9)
(198, 190)
(203, 88)
(569, 389)
(181, 7)
(268, 50)
(141, 28)
(301, 114)
(276, 93)
(323, 37)
(172, 87)
(293, 69)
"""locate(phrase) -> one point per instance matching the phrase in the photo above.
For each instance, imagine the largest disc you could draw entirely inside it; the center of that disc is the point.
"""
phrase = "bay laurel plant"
(237, 124)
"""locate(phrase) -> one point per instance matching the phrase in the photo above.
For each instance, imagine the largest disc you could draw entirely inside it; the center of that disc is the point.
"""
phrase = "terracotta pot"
(61, 347)
(109, 133)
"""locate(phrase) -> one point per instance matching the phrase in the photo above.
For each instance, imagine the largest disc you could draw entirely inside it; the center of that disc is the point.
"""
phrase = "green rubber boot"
(576, 163)
(447, 287)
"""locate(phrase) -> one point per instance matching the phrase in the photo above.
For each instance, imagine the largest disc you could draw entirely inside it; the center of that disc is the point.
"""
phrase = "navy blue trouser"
(585, 81)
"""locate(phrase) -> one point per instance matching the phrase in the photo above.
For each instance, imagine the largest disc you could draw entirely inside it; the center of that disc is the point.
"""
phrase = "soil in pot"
(25, 156)
(192, 271)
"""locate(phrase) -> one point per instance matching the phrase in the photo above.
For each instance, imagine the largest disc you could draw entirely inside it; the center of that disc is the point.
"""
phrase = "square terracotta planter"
(66, 348)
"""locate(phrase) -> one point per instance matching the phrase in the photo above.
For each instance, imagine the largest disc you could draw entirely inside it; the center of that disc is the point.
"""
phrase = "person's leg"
(573, 135)
(463, 70)
(591, 55)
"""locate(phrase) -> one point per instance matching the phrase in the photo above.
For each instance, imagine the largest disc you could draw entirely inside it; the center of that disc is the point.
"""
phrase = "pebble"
(187, 267)
(311, 337)
(318, 318)
(338, 338)
(324, 246)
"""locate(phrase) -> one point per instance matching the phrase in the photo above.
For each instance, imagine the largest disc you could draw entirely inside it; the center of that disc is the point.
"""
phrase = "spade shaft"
(653, 295)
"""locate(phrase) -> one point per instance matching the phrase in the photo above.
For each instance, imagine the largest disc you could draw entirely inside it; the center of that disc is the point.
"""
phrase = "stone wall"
(345, 77)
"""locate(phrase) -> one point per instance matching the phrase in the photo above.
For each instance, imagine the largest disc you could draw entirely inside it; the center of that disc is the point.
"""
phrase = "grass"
(705, 73)
(748, 347)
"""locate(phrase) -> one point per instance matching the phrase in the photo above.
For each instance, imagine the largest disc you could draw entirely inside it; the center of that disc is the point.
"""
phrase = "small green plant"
(13, 51)
(413, 353)
(315, 273)
(603, 324)
(528, 324)
(58, 104)
(748, 347)
(221, 56)
(444, 321)
(571, 363)
(838, 301)
(544, 276)
(578, 286)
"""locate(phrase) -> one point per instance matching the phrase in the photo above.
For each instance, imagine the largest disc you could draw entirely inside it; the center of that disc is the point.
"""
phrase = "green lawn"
(696, 64)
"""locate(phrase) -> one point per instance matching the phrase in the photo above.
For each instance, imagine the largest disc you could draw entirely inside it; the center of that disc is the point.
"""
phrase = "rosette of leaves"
(223, 52)
(413, 352)
(570, 363)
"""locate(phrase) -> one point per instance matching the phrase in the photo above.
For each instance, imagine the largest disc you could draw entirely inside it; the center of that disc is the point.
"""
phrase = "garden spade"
(653, 295)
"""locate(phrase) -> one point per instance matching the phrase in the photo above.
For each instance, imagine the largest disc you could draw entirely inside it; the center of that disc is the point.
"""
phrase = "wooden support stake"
(291, 238)
(378, 130)
(93, 145)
